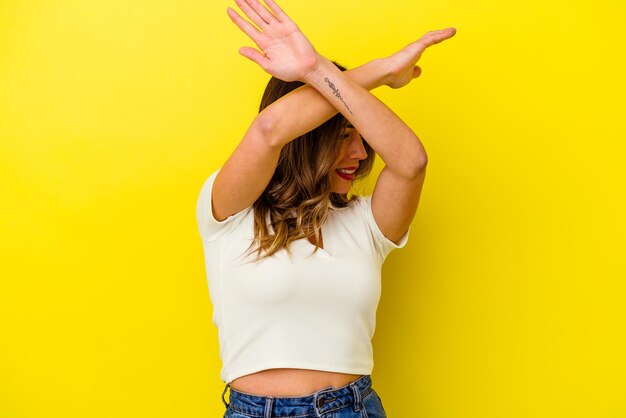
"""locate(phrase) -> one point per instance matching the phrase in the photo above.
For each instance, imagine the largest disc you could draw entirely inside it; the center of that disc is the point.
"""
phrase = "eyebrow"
(350, 126)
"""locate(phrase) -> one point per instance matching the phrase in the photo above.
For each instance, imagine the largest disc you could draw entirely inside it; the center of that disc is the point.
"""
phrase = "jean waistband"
(315, 404)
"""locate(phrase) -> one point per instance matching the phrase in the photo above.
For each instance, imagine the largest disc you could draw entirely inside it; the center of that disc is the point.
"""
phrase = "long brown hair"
(298, 196)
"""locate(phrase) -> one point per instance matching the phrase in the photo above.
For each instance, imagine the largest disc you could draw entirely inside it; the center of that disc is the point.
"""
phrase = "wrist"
(320, 67)
(384, 71)
(370, 75)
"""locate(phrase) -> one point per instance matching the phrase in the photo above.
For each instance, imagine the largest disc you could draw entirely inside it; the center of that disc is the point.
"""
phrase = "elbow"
(423, 161)
(412, 165)
(418, 165)
(414, 168)
(266, 125)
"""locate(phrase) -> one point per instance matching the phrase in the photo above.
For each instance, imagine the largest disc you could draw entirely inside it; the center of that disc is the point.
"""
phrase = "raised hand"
(401, 65)
(287, 53)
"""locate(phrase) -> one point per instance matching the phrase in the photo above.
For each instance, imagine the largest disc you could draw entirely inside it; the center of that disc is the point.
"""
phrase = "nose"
(357, 149)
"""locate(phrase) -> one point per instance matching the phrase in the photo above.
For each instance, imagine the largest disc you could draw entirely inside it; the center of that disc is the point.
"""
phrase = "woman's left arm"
(399, 185)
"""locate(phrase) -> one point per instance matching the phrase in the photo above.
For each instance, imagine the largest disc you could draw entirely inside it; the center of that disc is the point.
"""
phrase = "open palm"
(286, 53)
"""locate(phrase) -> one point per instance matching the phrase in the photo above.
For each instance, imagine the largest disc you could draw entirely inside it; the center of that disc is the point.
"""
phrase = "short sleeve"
(209, 228)
(382, 244)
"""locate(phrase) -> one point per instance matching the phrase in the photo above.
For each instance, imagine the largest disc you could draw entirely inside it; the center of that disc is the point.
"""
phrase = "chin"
(341, 187)
(341, 190)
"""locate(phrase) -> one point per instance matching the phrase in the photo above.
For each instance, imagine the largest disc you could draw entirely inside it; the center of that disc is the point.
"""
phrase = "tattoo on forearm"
(336, 93)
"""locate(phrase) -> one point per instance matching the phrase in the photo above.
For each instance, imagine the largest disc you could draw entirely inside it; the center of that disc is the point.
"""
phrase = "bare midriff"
(290, 382)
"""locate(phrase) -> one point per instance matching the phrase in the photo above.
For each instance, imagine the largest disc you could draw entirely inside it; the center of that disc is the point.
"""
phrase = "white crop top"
(305, 311)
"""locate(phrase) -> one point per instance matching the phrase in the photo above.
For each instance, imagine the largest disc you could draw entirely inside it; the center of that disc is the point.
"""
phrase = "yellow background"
(508, 301)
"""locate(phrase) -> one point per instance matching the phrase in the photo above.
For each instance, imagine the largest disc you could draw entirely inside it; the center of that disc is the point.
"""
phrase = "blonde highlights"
(297, 199)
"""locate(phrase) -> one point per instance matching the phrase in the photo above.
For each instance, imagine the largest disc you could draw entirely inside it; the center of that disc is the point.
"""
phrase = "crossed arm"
(289, 56)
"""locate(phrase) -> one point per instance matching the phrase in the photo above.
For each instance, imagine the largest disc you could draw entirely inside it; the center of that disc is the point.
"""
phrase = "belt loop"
(224, 393)
(357, 397)
(269, 403)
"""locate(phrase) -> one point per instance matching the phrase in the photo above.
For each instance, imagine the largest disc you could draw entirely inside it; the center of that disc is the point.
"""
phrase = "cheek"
(335, 182)
(333, 178)
(341, 153)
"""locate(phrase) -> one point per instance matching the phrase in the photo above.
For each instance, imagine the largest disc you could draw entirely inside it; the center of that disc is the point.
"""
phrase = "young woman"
(293, 263)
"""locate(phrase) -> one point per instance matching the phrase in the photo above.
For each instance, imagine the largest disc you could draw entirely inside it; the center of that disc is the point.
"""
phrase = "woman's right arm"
(249, 169)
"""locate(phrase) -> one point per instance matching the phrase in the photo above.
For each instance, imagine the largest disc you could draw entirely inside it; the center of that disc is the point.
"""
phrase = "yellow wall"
(507, 302)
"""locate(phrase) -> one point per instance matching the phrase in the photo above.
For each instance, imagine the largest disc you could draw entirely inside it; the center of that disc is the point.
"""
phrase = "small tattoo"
(336, 93)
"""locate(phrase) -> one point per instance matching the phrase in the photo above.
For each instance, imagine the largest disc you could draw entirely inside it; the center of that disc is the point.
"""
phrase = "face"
(351, 153)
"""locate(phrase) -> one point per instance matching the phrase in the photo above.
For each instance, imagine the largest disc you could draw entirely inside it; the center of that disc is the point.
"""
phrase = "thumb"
(253, 55)
(417, 71)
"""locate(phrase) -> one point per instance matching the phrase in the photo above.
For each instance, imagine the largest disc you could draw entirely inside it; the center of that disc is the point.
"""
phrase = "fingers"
(430, 38)
(261, 12)
(434, 37)
(254, 55)
(278, 12)
(417, 71)
(250, 13)
(244, 25)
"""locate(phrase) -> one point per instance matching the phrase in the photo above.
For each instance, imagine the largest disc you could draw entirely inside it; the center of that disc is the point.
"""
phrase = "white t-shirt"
(308, 311)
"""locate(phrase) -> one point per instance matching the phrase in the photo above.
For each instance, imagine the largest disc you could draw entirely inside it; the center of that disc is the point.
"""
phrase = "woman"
(295, 321)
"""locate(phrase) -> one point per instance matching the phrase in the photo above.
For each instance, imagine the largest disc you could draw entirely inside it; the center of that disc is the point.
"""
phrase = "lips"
(346, 173)
(348, 177)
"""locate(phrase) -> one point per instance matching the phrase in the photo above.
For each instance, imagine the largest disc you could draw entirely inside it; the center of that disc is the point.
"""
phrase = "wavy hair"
(298, 197)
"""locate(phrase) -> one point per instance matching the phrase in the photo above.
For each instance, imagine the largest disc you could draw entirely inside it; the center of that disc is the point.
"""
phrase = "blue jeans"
(355, 400)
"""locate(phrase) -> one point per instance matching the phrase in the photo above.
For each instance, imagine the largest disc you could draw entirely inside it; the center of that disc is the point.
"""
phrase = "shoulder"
(360, 201)
(383, 245)
(356, 202)
(355, 211)
(209, 227)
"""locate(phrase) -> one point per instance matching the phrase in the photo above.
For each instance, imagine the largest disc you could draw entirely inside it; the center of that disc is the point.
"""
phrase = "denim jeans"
(355, 400)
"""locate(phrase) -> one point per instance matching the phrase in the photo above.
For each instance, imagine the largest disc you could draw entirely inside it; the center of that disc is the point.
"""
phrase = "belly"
(290, 382)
